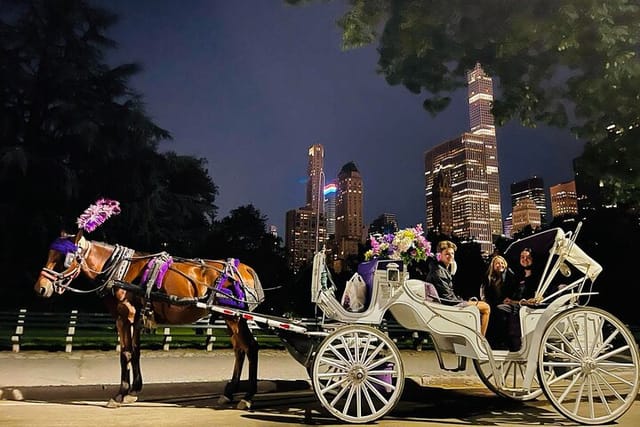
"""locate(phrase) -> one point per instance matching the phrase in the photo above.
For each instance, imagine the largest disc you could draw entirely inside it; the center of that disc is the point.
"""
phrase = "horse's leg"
(136, 384)
(124, 321)
(250, 343)
(239, 353)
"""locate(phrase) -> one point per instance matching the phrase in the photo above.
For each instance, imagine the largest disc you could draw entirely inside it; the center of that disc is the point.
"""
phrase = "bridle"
(74, 261)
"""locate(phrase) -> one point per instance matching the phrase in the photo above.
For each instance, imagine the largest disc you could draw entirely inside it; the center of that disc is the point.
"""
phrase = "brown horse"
(140, 289)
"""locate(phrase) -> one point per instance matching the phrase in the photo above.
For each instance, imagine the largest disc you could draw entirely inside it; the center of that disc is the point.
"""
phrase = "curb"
(150, 392)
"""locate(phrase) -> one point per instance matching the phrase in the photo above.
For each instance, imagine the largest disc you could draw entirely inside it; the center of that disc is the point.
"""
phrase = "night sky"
(251, 84)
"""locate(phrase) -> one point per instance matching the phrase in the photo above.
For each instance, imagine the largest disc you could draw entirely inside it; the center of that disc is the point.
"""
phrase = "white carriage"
(582, 358)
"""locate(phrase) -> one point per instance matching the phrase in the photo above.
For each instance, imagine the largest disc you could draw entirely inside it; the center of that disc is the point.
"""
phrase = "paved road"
(60, 389)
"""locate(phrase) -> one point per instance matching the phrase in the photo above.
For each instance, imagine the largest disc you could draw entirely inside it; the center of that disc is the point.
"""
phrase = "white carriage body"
(558, 333)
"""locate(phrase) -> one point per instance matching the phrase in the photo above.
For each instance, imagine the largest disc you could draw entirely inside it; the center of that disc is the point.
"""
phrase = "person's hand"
(507, 301)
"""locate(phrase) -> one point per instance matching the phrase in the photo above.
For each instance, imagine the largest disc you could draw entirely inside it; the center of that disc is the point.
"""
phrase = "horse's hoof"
(129, 399)
(113, 404)
(224, 400)
(244, 404)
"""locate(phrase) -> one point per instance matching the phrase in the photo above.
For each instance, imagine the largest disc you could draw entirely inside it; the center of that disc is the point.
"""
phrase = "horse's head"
(64, 263)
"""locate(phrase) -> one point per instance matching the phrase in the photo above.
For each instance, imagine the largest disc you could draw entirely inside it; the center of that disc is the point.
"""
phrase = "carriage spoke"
(338, 395)
(381, 383)
(339, 355)
(608, 385)
(612, 353)
(569, 387)
(347, 403)
(345, 346)
(562, 351)
(379, 362)
(578, 397)
(559, 350)
(335, 384)
(601, 395)
(607, 342)
(366, 347)
(598, 327)
(336, 363)
(619, 378)
(374, 353)
(366, 389)
(574, 331)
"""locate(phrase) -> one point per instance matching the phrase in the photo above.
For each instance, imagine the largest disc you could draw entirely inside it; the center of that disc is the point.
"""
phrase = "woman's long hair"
(496, 279)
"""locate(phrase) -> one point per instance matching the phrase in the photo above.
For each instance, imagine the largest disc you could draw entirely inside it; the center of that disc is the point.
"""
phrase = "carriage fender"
(534, 349)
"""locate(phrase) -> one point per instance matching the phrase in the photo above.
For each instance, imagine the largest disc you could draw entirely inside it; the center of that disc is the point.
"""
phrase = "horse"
(140, 289)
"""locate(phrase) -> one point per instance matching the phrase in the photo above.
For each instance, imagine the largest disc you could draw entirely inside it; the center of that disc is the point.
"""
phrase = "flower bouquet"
(408, 245)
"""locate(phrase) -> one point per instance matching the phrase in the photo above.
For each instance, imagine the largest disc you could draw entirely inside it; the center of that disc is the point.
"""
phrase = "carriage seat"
(425, 291)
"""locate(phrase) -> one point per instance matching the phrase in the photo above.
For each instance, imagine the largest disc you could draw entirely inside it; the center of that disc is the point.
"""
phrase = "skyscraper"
(305, 226)
(457, 196)
(349, 211)
(330, 191)
(301, 240)
(315, 176)
(564, 200)
(481, 122)
(462, 183)
(533, 188)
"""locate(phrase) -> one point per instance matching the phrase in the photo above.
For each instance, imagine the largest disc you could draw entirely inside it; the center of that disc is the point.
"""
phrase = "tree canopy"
(73, 130)
(567, 63)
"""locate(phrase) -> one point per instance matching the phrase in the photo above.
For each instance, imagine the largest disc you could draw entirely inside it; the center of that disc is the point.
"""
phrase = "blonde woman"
(497, 280)
(441, 276)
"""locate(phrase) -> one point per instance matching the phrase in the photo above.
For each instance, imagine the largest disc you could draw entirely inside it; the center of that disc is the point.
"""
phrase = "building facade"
(301, 243)
(532, 188)
(456, 188)
(525, 213)
(481, 122)
(462, 180)
(306, 226)
(564, 199)
(315, 178)
(349, 211)
(330, 191)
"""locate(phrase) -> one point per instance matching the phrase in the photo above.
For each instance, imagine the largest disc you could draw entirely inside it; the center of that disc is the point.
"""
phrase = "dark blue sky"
(251, 84)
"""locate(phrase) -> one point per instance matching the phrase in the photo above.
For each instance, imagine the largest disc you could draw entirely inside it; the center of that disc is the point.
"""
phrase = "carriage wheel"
(358, 374)
(512, 372)
(595, 360)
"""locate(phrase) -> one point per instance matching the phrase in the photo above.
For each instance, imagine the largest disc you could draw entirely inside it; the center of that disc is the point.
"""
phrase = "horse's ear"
(78, 236)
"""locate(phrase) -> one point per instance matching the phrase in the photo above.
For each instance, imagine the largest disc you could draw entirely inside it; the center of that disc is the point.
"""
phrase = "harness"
(233, 296)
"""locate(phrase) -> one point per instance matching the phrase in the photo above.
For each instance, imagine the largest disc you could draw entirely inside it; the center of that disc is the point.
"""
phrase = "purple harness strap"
(236, 297)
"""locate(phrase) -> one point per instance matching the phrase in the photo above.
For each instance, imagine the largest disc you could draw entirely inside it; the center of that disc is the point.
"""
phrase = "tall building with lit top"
(462, 181)
(305, 227)
(315, 176)
(564, 199)
(481, 121)
(349, 211)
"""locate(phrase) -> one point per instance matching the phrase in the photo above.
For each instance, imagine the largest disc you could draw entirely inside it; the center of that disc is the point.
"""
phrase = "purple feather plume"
(96, 214)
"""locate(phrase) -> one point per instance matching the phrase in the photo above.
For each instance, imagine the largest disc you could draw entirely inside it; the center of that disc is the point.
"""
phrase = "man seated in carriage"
(441, 273)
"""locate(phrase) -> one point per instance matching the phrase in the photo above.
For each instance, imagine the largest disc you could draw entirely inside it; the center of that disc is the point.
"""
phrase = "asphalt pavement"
(41, 375)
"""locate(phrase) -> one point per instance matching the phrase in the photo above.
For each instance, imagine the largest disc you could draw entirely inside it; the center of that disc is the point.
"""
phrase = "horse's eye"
(68, 259)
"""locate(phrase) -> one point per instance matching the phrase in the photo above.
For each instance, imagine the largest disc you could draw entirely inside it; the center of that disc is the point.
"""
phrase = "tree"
(72, 130)
(243, 235)
(558, 62)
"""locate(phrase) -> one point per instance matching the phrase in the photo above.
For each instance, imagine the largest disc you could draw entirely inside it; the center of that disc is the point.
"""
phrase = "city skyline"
(262, 81)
